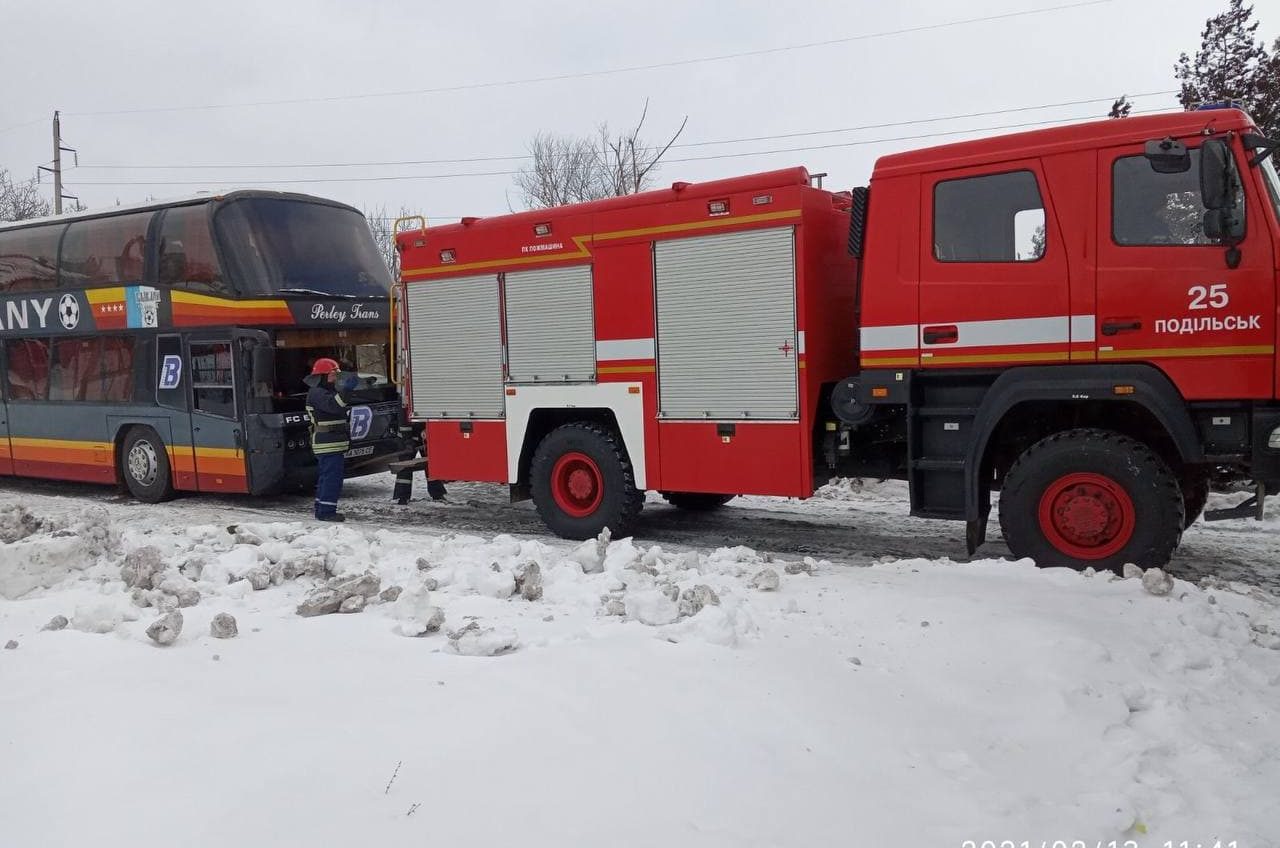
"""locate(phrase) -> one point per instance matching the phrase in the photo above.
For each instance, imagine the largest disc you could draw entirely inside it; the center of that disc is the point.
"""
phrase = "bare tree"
(571, 169)
(20, 201)
(381, 225)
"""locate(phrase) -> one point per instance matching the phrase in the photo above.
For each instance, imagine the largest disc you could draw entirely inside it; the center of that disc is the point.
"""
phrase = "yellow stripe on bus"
(109, 295)
(207, 300)
(77, 444)
(63, 444)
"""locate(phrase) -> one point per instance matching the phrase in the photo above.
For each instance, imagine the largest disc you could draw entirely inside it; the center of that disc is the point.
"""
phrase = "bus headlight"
(1273, 441)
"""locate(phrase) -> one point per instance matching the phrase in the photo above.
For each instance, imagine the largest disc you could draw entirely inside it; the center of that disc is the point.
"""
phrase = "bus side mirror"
(1168, 156)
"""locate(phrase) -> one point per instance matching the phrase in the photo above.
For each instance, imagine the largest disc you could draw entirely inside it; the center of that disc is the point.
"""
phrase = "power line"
(525, 157)
(602, 72)
(21, 126)
(461, 175)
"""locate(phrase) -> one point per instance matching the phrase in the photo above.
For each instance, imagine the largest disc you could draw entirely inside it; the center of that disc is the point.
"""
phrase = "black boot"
(335, 517)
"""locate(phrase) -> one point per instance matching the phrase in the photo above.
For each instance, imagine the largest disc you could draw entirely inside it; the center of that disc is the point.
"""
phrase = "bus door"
(216, 397)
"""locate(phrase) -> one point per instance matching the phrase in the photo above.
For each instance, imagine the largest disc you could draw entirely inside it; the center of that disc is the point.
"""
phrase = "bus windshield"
(296, 247)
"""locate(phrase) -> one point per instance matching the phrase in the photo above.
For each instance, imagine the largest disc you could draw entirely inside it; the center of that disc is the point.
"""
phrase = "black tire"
(144, 465)
(696, 501)
(1195, 494)
(1091, 498)
(583, 482)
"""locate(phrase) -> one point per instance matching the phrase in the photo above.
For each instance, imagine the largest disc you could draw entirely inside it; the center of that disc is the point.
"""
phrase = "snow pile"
(861, 490)
(42, 552)
(324, 570)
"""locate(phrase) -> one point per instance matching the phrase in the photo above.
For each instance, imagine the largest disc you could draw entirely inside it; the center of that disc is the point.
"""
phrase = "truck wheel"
(696, 501)
(583, 482)
(145, 466)
(1195, 494)
(1091, 498)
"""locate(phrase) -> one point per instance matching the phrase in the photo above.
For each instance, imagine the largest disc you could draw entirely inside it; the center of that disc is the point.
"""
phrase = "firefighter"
(404, 487)
(327, 407)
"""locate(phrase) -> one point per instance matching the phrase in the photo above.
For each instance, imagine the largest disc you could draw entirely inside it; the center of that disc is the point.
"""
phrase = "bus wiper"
(318, 293)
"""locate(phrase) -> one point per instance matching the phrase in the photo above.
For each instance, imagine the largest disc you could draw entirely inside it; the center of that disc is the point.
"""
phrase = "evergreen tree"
(1121, 108)
(1233, 64)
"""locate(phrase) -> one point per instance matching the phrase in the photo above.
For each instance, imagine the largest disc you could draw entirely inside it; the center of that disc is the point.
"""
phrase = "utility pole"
(56, 170)
(57, 164)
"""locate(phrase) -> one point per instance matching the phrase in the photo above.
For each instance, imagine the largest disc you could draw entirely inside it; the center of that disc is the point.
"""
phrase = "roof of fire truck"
(678, 191)
(1104, 133)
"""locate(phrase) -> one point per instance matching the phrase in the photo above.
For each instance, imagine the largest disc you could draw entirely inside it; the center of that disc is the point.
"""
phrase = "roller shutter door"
(455, 348)
(550, 326)
(727, 326)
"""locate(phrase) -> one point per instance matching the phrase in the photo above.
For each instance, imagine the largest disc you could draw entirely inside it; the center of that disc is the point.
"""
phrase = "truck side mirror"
(1217, 175)
(1168, 156)
(1219, 188)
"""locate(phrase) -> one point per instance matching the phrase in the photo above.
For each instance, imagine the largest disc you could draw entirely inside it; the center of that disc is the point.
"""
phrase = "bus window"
(211, 378)
(77, 370)
(105, 250)
(28, 369)
(29, 258)
(117, 368)
(187, 256)
(298, 247)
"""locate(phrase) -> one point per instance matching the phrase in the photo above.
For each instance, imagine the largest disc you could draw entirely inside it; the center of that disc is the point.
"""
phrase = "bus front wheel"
(145, 466)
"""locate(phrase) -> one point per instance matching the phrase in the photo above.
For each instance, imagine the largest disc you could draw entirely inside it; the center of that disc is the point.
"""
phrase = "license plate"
(354, 452)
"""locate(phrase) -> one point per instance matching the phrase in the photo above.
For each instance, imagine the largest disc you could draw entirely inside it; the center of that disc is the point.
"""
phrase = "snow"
(651, 695)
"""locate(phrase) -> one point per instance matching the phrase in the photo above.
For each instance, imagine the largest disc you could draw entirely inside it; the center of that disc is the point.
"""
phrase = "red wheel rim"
(576, 484)
(1087, 516)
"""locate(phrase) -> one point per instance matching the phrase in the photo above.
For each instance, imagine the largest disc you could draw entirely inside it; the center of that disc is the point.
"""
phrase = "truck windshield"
(288, 246)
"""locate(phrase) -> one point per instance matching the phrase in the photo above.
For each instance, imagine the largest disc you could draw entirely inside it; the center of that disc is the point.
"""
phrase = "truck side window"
(991, 218)
(1148, 208)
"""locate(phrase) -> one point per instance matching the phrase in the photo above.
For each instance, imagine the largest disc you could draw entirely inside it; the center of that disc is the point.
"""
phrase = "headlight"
(1273, 441)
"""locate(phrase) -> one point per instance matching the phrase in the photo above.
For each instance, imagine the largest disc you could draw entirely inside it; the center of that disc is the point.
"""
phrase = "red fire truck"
(1083, 318)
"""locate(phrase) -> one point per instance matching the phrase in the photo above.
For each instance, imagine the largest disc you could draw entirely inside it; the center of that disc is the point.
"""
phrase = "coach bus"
(163, 347)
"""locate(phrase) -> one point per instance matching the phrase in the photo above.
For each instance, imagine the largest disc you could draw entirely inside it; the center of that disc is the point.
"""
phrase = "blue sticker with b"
(361, 422)
(170, 372)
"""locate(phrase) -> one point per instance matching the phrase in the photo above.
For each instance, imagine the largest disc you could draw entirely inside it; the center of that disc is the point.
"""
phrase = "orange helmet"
(325, 365)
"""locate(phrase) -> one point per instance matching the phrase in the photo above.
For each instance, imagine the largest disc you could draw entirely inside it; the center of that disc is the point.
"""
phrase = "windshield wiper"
(317, 293)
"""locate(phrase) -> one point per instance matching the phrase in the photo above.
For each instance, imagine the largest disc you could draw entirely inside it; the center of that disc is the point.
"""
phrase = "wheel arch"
(1153, 412)
(122, 426)
(535, 411)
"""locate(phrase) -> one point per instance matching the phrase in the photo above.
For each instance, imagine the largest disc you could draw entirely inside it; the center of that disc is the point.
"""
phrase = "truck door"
(1165, 292)
(994, 277)
(217, 436)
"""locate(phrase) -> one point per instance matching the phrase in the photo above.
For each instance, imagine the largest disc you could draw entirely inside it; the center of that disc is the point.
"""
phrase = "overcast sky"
(126, 59)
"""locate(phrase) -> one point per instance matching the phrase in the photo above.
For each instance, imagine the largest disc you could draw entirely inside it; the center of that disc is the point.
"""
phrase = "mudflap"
(975, 533)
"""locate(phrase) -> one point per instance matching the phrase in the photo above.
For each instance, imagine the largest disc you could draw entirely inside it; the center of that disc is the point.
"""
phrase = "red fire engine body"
(1082, 317)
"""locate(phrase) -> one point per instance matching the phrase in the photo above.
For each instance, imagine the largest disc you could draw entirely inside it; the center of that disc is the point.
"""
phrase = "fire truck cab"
(1083, 318)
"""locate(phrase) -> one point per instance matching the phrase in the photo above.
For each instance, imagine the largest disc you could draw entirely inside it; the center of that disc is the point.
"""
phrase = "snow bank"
(42, 552)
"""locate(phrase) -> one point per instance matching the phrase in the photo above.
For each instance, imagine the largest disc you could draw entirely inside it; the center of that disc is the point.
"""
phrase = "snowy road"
(848, 523)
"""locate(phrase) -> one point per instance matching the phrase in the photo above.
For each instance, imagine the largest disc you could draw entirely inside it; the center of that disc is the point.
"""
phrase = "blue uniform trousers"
(329, 468)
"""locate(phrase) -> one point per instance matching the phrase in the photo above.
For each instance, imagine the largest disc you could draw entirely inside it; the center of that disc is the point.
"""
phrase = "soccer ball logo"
(69, 312)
